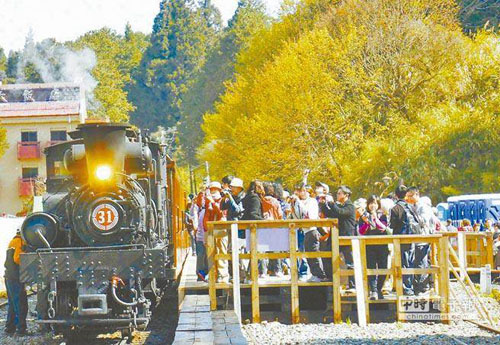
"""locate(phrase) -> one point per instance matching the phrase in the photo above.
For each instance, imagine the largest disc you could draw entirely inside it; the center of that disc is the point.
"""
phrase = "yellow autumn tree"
(364, 90)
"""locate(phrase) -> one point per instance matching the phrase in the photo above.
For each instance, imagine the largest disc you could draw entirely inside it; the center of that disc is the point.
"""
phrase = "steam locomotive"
(111, 237)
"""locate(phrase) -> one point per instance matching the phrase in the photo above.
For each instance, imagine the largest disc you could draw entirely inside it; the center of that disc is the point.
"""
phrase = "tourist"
(322, 195)
(213, 212)
(427, 226)
(191, 222)
(283, 196)
(400, 224)
(226, 182)
(232, 205)
(306, 207)
(376, 255)
(450, 227)
(252, 202)
(488, 225)
(271, 210)
(201, 253)
(345, 212)
(16, 293)
(232, 202)
(252, 207)
(465, 225)
(296, 214)
(360, 208)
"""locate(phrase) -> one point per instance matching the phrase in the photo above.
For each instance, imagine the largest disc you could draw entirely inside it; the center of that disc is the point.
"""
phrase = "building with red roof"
(34, 116)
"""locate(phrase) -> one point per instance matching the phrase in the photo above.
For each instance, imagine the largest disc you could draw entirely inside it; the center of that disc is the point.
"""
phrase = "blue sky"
(67, 19)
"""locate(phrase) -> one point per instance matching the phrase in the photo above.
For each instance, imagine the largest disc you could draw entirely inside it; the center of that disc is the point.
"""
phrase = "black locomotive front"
(99, 253)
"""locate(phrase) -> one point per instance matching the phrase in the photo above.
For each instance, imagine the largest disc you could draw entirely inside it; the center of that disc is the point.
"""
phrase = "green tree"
(3, 64)
(211, 20)
(27, 70)
(474, 14)
(177, 51)
(11, 66)
(250, 17)
(134, 44)
(117, 56)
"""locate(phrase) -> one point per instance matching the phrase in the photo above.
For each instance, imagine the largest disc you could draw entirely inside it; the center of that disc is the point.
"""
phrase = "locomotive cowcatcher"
(110, 239)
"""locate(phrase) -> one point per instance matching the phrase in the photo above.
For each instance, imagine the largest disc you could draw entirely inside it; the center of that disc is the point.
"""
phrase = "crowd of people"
(403, 212)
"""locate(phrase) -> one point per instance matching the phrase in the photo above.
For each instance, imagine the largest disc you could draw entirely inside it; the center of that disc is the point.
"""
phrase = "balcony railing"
(28, 150)
(26, 186)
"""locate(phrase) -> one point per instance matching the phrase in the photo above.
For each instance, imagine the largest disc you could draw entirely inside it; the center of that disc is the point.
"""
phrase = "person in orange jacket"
(16, 292)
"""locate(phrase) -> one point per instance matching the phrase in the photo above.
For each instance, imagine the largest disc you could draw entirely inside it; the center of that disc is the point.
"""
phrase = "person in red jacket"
(213, 213)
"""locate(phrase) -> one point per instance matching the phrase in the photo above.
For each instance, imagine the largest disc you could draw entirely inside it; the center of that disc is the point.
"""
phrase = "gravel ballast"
(381, 333)
(432, 333)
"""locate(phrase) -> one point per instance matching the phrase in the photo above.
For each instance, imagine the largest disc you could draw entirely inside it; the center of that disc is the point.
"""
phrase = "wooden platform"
(189, 284)
(199, 326)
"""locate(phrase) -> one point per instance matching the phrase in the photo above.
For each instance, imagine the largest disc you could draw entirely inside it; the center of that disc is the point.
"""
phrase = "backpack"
(413, 224)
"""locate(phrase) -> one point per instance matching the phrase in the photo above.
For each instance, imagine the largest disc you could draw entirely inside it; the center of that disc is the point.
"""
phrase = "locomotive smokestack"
(105, 151)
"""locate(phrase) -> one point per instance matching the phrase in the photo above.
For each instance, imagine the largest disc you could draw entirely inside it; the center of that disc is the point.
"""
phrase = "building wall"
(11, 166)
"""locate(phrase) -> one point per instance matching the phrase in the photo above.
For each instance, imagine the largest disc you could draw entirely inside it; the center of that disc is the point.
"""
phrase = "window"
(30, 172)
(29, 136)
(59, 169)
(58, 136)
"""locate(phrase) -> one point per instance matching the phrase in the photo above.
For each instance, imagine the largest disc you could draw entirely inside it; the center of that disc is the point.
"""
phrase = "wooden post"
(393, 276)
(462, 254)
(254, 274)
(444, 278)
(294, 274)
(210, 249)
(360, 286)
(398, 277)
(366, 287)
(337, 303)
(489, 250)
(434, 262)
(235, 255)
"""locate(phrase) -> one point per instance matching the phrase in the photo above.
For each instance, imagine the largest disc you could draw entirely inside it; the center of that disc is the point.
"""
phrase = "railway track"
(160, 331)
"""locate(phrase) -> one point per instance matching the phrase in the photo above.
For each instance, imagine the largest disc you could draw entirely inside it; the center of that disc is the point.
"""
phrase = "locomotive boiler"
(105, 248)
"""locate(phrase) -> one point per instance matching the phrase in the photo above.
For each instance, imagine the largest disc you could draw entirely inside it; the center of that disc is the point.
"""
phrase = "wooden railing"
(439, 267)
(474, 249)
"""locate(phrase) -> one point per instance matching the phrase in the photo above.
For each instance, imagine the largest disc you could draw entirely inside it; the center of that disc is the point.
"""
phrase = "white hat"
(214, 184)
(237, 182)
(360, 203)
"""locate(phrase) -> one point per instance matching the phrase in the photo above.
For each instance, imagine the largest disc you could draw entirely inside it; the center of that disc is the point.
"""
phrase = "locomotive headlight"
(103, 172)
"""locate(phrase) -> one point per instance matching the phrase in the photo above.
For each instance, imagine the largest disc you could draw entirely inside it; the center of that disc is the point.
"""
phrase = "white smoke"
(57, 63)
(76, 67)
